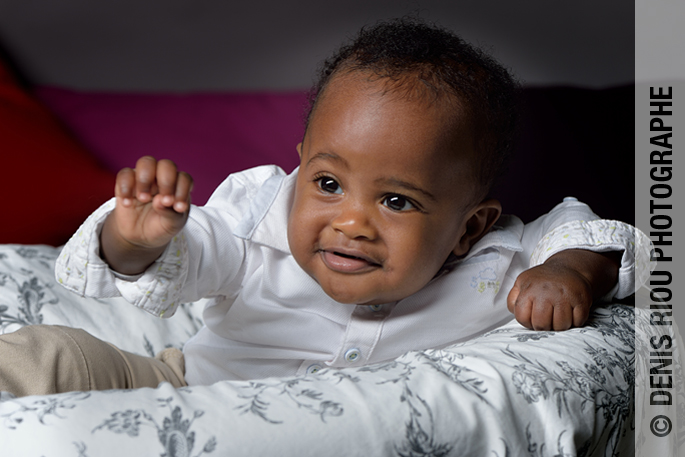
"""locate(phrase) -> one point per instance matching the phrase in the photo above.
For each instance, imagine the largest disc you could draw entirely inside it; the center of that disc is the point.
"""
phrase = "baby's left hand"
(559, 293)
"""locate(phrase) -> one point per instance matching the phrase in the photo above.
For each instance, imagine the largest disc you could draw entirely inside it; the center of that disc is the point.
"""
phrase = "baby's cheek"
(296, 244)
(412, 276)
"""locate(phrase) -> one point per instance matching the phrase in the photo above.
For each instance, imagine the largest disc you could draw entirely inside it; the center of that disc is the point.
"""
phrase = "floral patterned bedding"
(509, 392)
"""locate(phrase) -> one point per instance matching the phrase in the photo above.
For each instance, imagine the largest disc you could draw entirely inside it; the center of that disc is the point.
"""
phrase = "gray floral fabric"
(29, 295)
(510, 392)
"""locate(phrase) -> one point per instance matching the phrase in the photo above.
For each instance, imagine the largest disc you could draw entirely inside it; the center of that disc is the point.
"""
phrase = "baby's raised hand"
(559, 293)
(152, 205)
(152, 201)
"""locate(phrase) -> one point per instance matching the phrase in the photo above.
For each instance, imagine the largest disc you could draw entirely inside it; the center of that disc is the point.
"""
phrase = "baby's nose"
(354, 223)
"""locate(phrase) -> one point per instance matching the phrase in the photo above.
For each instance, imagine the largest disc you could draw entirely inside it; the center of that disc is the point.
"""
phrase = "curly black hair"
(407, 51)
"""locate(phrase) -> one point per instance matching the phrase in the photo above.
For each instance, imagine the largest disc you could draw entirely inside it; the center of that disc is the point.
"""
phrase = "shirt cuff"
(603, 236)
(80, 269)
(158, 289)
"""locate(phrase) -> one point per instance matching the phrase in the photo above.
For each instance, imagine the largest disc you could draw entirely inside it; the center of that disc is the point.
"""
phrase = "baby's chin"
(347, 295)
(346, 298)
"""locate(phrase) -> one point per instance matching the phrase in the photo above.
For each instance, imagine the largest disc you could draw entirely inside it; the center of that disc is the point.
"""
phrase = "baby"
(381, 242)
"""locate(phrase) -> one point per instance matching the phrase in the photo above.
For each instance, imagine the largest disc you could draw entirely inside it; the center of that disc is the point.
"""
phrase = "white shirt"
(269, 318)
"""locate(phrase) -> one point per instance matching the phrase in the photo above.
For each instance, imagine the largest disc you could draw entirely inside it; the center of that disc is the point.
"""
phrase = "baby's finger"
(542, 313)
(563, 317)
(523, 310)
(184, 185)
(166, 181)
(124, 188)
(146, 170)
(512, 297)
(580, 315)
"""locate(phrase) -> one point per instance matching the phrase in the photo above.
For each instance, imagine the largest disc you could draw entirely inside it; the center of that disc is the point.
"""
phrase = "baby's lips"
(346, 261)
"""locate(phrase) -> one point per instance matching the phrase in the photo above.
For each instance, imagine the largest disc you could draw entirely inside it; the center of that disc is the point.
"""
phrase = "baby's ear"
(478, 222)
(299, 149)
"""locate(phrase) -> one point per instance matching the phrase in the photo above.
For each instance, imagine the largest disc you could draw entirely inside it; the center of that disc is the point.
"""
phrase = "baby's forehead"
(432, 113)
(441, 103)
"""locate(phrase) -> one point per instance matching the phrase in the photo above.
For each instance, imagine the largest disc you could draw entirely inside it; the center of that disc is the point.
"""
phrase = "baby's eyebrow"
(328, 156)
(396, 182)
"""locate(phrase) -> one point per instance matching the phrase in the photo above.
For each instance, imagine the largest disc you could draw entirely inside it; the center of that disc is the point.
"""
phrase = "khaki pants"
(47, 359)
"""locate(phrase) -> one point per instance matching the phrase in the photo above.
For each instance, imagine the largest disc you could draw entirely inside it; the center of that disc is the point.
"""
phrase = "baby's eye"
(329, 185)
(398, 203)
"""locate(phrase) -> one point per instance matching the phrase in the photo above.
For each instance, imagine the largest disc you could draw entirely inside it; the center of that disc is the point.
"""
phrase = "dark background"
(576, 60)
(232, 45)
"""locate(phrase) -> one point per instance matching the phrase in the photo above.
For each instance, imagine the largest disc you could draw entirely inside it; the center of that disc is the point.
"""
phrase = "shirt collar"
(506, 234)
(266, 220)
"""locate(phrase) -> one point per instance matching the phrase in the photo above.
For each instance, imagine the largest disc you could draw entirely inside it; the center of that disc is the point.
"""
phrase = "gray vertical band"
(660, 212)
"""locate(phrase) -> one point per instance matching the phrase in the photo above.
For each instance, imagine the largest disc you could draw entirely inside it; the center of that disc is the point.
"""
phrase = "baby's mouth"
(347, 262)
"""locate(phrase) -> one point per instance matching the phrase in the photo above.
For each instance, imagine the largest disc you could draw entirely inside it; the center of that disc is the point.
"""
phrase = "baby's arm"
(205, 259)
(559, 293)
(152, 205)
(576, 259)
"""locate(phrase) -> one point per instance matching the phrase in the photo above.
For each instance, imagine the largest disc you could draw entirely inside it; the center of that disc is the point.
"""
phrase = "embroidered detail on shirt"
(486, 280)
(72, 263)
(167, 280)
(603, 235)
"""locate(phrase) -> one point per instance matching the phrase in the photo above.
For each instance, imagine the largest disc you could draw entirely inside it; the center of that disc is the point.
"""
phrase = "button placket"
(362, 334)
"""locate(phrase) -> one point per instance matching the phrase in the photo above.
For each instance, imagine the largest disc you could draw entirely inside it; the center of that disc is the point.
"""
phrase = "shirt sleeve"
(573, 225)
(204, 260)
(186, 271)
(602, 236)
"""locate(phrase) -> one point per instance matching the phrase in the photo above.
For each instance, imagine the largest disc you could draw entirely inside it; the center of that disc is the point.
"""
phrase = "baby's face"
(381, 198)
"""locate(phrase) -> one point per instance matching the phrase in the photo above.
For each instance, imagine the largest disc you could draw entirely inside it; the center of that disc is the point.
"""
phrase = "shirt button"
(353, 355)
(314, 368)
(570, 199)
(375, 307)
